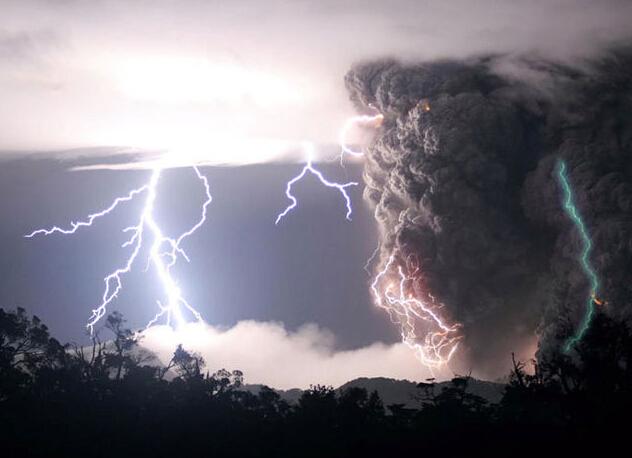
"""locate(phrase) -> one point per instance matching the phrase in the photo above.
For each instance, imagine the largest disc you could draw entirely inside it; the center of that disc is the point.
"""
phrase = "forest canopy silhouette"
(111, 398)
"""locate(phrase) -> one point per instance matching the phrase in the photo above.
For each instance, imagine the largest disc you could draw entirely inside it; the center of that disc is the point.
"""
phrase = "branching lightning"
(373, 120)
(438, 341)
(367, 264)
(434, 346)
(163, 252)
(309, 167)
(584, 259)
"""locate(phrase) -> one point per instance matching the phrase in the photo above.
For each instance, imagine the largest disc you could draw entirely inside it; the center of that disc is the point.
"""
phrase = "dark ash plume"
(462, 180)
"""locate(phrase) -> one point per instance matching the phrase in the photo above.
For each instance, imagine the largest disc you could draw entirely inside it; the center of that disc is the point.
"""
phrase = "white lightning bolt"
(341, 187)
(367, 264)
(163, 252)
(372, 120)
(436, 347)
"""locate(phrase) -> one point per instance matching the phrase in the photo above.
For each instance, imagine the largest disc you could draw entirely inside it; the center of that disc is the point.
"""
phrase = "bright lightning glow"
(584, 259)
(175, 79)
(439, 341)
(163, 252)
(91, 218)
(374, 120)
(367, 264)
(309, 167)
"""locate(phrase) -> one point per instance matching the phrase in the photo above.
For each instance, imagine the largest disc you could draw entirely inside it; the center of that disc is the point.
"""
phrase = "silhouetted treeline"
(111, 399)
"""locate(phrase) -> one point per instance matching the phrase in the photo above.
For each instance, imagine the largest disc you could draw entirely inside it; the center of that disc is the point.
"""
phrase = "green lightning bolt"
(573, 214)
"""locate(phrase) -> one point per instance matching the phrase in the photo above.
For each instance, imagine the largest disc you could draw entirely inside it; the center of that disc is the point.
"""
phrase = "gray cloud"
(478, 209)
(466, 188)
(309, 44)
(593, 133)
(24, 47)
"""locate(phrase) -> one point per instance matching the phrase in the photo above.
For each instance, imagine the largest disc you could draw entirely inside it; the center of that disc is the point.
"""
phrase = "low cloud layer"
(268, 353)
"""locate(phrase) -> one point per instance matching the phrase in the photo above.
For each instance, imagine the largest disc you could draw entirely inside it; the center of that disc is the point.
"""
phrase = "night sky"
(309, 268)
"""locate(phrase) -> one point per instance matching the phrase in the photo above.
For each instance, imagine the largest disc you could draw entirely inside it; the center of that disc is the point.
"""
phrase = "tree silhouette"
(107, 398)
(124, 342)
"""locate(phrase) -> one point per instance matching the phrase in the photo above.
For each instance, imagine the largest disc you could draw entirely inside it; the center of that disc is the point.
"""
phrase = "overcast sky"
(231, 83)
(209, 78)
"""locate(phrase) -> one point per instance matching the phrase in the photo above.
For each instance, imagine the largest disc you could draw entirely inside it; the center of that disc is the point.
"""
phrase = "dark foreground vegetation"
(109, 400)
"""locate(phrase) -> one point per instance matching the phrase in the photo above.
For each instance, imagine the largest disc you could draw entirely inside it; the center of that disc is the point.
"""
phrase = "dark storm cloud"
(592, 131)
(466, 189)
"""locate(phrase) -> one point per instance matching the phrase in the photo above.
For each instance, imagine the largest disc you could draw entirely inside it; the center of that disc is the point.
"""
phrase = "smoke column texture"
(462, 179)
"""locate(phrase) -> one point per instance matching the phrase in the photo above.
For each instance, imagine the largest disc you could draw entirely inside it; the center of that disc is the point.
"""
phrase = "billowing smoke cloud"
(267, 353)
(463, 184)
(591, 129)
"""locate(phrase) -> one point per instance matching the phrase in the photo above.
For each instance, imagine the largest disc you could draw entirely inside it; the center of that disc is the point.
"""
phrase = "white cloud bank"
(267, 353)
